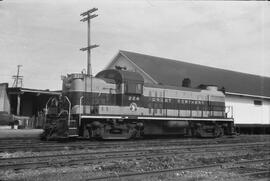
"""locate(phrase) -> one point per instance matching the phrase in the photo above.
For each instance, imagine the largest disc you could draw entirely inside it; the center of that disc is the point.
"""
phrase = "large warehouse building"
(248, 94)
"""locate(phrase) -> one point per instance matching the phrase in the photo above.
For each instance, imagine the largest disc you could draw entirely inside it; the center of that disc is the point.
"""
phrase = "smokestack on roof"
(186, 82)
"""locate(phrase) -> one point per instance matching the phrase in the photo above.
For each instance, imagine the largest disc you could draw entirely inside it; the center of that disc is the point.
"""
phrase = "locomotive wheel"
(218, 132)
(125, 135)
(46, 135)
(199, 133)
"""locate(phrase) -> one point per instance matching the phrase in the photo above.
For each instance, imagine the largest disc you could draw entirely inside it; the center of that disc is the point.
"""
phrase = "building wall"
(123, 62)
(4, 101)
(27, 104)
(246, 112)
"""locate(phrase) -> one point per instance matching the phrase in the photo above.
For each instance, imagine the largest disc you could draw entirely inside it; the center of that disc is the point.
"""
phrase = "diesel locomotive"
(118, 104)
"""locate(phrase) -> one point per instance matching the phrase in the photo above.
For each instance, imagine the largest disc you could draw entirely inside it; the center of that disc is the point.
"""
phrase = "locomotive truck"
(118, 104)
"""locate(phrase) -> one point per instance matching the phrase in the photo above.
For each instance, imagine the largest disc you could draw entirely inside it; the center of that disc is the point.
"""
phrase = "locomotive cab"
(127, 83)
(127, 99)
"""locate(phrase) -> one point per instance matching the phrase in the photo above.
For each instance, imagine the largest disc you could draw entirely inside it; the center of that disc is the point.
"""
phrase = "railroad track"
(23, 140)
(34, 141)
(192, 168)
(80, 158)
(55, 146)
(258, 174)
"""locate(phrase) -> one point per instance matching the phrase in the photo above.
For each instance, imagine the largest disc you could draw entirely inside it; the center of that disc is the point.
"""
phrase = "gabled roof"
(19, 90)
(172, 72)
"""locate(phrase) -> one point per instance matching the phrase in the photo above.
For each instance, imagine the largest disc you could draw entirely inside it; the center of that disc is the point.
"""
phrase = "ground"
(67, 170)
(6, 132)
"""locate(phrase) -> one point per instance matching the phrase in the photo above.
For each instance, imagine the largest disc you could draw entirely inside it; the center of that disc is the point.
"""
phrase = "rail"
(121, 176)
(79, 158)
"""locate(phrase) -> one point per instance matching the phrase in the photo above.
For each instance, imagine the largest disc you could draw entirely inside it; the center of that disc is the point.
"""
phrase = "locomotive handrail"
(69, 108)
(229, 109)
(80, 113)
(62, 113)
(46, 109)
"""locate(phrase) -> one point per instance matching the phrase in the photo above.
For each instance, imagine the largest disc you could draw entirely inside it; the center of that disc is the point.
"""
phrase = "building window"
(258, 102)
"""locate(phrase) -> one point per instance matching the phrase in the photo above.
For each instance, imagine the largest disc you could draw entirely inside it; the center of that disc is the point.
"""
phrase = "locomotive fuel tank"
(177, 124)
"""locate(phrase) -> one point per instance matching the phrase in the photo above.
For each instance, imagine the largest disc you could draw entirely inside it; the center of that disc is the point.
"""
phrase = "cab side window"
(133, 88)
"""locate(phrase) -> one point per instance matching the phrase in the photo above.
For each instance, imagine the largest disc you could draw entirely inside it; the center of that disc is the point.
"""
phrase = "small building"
(24, 106)
(4, 102)
(248, 94)
(5, 117)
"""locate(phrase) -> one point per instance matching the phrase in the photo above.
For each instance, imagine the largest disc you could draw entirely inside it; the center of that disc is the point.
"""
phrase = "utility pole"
(17, 78)
(87, 16)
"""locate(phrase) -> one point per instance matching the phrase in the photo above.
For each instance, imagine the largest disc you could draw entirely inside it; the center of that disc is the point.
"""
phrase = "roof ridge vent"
(212, 88)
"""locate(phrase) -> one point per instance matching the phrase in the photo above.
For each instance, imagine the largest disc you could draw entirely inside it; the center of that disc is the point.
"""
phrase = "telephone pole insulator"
(87, 16)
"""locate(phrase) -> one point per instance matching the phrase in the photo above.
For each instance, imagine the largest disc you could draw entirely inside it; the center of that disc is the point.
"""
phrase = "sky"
(45, 36)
